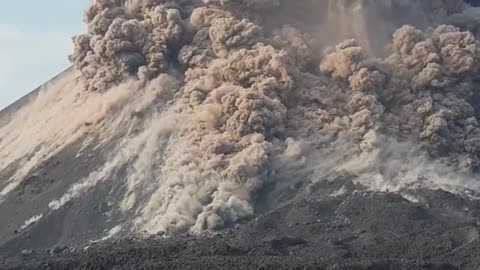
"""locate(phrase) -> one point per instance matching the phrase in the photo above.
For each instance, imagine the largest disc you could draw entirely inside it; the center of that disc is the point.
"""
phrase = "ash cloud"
(237, 95)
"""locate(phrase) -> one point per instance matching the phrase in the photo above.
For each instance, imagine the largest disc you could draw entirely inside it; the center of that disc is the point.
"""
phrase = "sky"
(35, 41)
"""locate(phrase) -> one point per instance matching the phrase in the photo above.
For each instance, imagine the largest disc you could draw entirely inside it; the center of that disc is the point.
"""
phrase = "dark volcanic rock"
(360, 230)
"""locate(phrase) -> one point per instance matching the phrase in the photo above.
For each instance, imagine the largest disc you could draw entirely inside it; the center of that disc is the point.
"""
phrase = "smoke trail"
(205, 103)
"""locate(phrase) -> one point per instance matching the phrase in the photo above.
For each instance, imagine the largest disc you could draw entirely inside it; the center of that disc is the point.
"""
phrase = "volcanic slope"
(249, 134)
(355, 230)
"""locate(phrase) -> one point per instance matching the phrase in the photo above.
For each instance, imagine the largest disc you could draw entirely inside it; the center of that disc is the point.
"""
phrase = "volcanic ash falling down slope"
(198, 107)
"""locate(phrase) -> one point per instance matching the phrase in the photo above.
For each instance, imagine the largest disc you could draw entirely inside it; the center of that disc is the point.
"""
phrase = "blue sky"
(35, 41)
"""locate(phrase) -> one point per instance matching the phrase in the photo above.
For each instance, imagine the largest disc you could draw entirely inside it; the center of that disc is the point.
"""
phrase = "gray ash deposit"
(356, 230)
(251, 133)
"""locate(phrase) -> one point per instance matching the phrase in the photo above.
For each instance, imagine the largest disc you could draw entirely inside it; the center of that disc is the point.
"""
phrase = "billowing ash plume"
(124, 36)
(266, 91)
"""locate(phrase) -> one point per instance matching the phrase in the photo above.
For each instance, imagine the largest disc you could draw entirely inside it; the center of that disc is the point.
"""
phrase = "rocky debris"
(360, 230)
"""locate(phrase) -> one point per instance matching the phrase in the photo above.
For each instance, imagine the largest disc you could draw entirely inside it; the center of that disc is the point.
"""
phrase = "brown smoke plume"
(227, 97)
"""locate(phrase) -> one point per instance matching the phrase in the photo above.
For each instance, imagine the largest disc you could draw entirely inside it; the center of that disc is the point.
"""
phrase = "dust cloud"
(205, 103)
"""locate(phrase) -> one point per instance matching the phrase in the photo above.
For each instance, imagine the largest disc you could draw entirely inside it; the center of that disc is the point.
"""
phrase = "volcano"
(251, 134)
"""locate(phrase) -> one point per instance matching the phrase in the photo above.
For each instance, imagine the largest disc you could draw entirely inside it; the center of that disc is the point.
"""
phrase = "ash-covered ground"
(339, 134)
(360, 230)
